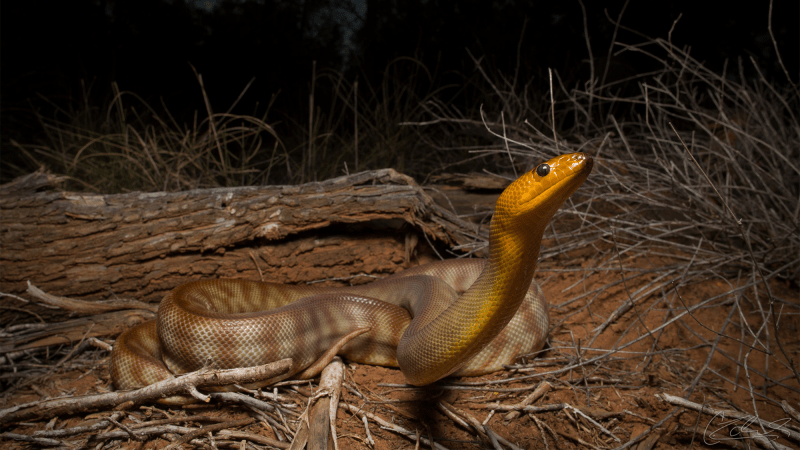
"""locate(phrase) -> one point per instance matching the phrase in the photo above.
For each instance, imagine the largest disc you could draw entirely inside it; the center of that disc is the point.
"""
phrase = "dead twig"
(88, 307)
(44, 442)
(323, 414)
(543, 388)
(183, 384)
(724, 414)
(257, 438)
(414, 436)
(211, 428)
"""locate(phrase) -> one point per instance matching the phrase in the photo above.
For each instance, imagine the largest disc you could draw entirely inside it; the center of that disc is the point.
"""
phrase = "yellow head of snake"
(528, 204)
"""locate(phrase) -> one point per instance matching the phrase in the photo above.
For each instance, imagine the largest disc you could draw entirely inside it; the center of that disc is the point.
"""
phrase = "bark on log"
(141, 245)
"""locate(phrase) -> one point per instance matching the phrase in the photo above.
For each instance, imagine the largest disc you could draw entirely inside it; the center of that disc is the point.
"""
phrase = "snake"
(457, 317)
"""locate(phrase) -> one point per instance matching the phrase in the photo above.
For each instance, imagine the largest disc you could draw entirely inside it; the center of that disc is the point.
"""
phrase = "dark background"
(147, 46)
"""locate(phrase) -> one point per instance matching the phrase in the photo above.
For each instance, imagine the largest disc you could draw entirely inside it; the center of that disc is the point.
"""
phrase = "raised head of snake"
(432, 349)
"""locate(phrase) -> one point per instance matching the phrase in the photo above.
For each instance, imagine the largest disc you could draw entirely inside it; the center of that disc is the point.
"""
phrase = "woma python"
(455, 317)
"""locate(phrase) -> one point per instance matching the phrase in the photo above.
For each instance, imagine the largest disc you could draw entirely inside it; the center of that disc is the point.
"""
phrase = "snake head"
(536, 195)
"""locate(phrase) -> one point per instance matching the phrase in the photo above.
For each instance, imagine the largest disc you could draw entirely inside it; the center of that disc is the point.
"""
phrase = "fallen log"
(141, 245)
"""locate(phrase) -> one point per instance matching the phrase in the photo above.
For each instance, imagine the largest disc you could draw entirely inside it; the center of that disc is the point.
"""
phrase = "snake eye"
(542, 170)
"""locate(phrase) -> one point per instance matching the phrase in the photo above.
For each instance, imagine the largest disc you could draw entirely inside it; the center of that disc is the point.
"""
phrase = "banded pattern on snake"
(454, 317)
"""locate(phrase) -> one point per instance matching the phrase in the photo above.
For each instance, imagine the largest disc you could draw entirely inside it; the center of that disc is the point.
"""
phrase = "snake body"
(454, 317)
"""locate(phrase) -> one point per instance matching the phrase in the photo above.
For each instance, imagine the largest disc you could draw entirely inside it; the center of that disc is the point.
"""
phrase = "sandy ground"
(618, 392)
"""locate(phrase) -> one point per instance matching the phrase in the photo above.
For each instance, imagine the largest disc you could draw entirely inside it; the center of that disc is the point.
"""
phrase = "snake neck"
(500, 289)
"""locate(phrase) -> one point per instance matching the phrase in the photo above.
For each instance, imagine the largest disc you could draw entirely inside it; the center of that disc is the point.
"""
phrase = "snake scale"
(453, 317)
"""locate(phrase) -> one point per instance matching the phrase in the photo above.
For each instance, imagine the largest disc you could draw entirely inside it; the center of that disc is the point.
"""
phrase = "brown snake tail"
(454, 317)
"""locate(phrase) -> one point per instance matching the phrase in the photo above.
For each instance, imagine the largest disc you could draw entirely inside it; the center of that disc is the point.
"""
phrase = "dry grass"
(360, 125)
(127, 146)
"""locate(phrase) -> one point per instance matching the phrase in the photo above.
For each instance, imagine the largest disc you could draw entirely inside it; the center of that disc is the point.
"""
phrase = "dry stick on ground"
(468, 421)
(44, 442)
(720, 334)
(183, 384)
(789, 410)
(389, 426)
(323, 414)
(144, 429)
(88, 307)
(576, 439)
(316, 423)
(95, 427)
(142, 432)
(203, 430)
(69, 332)
(257, 438)
(543, 388)
(635, 440)
(741, 419)
(301, 435)
(366, 430)
(242, 399)
(550, 408)
(464, 420)
(275, 425)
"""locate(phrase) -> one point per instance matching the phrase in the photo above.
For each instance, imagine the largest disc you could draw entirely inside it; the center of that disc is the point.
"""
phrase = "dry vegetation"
(678, 265)
(128, 146)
